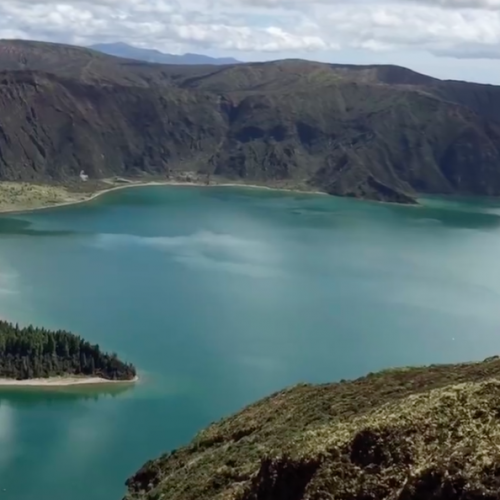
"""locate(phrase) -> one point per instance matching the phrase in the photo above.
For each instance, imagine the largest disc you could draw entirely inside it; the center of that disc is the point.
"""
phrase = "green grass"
(431, 432)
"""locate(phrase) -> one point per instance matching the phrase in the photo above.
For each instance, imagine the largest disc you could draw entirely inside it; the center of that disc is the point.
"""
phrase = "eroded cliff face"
(409, 434)
(52, 128)
(376, 132)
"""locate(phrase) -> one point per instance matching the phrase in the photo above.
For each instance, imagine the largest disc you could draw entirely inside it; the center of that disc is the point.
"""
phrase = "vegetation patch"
(27, 353)
(408, 434)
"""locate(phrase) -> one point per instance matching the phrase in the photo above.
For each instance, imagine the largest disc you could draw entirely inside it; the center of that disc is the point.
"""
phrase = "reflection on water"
(56, 435)
(16, 226)
(450, 216)
(34, 396)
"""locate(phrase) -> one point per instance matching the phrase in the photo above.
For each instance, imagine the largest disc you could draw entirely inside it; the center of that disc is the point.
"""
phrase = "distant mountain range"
(121, 49)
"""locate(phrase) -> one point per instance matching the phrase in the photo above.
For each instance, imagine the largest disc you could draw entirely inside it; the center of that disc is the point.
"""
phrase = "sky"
(454, 39)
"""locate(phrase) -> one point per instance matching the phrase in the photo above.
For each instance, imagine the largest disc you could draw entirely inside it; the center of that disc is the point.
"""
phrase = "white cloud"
(299, 4)
(459, 28)
(462, 4)
(7, 434)
(416, 27)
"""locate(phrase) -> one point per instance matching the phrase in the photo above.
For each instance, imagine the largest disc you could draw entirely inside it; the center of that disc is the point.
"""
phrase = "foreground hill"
(377, 132)
(121, 49)
(409, 434)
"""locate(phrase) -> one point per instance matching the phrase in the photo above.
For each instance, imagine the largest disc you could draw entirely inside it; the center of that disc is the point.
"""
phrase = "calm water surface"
(221, 296)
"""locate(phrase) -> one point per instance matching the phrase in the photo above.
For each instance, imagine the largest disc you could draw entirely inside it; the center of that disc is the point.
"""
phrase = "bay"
(221, 296)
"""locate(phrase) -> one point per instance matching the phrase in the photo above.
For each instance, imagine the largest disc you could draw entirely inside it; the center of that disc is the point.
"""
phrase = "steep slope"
(377, 132)
(52, 128)
(380, 143)
(121, 49)
(484, 99)
(409, 434)
(299, 75)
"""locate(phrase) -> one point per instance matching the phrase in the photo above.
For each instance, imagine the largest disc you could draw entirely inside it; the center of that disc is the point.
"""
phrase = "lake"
(221, 296)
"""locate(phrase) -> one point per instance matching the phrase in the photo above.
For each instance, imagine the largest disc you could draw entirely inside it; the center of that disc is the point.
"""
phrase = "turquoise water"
(221, 296)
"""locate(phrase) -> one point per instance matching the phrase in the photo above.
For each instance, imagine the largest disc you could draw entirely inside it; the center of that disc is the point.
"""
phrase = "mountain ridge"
(378, 132)
(121, 49)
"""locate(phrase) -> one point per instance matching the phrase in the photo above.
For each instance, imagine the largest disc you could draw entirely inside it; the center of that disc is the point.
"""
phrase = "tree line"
(32, 352)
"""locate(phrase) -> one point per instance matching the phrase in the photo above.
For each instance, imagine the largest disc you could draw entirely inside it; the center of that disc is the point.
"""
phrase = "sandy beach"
(62, 382)
(23, 197)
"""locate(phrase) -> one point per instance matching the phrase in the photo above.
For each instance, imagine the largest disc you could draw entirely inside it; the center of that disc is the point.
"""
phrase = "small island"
(30, 355)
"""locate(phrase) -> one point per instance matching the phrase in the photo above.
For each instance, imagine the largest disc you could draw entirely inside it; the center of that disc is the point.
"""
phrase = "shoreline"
(63, 382)
(134, 184)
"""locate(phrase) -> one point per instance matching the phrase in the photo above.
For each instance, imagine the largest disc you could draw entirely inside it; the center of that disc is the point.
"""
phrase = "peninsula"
(38, 357)
(401, 434)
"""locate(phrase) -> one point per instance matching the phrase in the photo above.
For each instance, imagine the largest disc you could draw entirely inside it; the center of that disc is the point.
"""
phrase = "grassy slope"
(409, 434)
